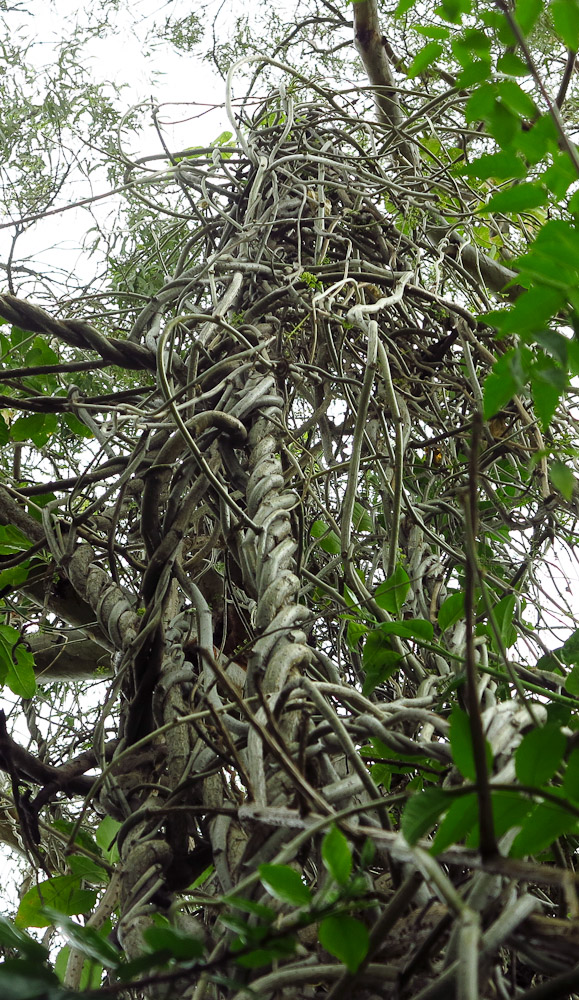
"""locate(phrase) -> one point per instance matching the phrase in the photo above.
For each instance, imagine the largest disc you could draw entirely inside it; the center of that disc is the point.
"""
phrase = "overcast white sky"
(185, 86)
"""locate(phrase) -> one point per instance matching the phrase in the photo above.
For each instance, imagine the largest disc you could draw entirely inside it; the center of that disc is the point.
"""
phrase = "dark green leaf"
(88, 870)
(475, 72)
(459, 820)
(571, 778)
(410, 628)
(87, 940)
(503, 613)
(177, 943)
(346, 939)
(541, 828)
(539, 755)
(283, 883)
(461, 744)
(378, 659)
(22, 979)
(280, 948)
(391, 594)
(12, 937)
(337, 855)
(572, 681)
(451, 611)
(422, 812)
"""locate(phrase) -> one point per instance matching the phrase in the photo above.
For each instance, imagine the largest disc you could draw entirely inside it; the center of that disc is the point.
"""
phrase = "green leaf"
(327, 539)
(60, 893)
(346, 939)
(12, 937)
(541, 828)
(87, 870)
(569, 652)
(391, 594)
(35, 427)
(548, 383)
(87, 940)
(403, 6)
(12, 540)
(571, 684)
(337, 855)
(527, 13)
(285, 884)
(410, 628)
(501, 166)
(520, 198)
(461, 745)
(422, 812)
(105, 835)
(451, 611)
(504, 381)
(361, 518)
(424, 58)
(459, 820)
(516, 99)
(571, 778)
(539, 755)
(562, 478)
(378, 659)
(16, 663)
(565, 14)
(503, 613)
(512, 65)
(177, 943)
(431, 31)
(21, 979)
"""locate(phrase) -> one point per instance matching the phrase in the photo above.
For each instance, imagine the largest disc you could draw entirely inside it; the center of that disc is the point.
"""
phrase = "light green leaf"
(327, 539)
(337, 856)
(562, 478)
(565, 14)
(424, 58)
(391, 594)
(283, 883)
(517, 199)
(451, 611)
(346, 939)
(60, 893)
